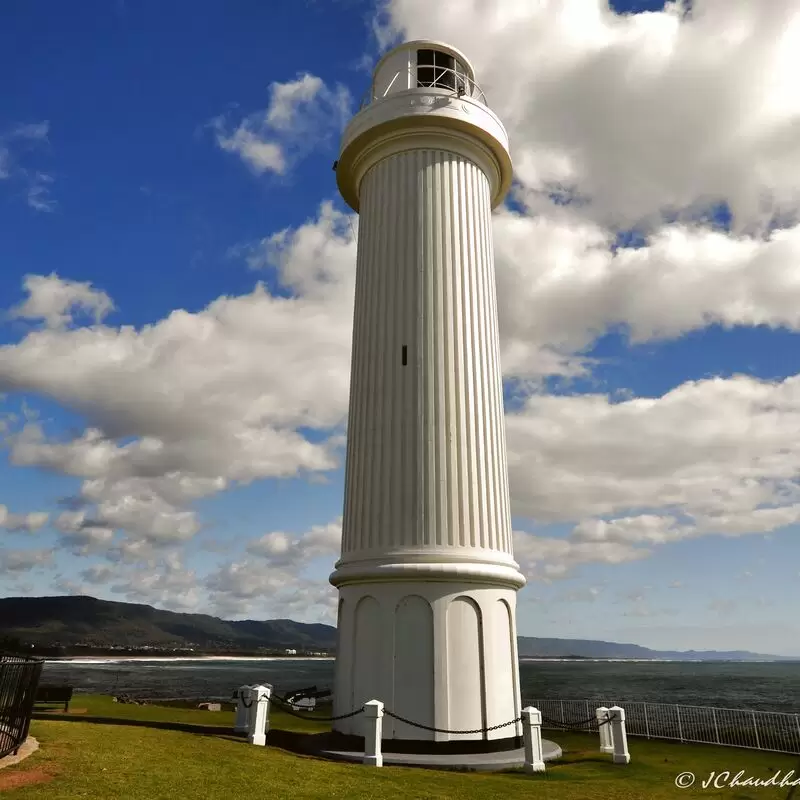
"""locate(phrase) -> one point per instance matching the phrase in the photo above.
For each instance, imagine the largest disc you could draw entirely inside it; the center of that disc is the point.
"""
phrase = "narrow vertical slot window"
(405, 355)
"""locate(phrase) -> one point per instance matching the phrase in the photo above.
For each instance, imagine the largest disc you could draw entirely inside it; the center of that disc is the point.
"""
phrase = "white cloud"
(39, 192)
(713, 449)
(299, 116)
(24, 560)
(14, 145)
(237, 587)
(549, 558)
(261, 156)
(98, 573)
(202, 401)
(285, 550)
(638, 113)
(55, 300)
(83, 535)
(557, 302)
(30, 522)
(165, 582)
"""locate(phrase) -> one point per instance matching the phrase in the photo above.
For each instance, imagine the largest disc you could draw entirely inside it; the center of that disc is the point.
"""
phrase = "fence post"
(532, 739)
(646, 722)
(797, 723)
(680, 727)
(563, 718)
(755, 728)
(259, 714)
(242, 721)
(619, 736)
(606, 743)
(716, 726)
(373, 731)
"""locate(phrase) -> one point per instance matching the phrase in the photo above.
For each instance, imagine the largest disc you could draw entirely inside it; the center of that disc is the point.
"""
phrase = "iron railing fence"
(450, 80)
(730, 727)
(19, 679)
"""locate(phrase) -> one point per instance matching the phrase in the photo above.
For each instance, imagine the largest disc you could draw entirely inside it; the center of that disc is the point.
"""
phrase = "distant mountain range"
(85, 621)
(531, 647)
(64, 624)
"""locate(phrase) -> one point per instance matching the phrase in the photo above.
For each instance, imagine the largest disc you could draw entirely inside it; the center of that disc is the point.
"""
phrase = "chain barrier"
(577, 725)
(287, 707)
(444, 730)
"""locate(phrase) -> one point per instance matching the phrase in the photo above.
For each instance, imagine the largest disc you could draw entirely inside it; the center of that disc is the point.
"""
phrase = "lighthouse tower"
(427, 579)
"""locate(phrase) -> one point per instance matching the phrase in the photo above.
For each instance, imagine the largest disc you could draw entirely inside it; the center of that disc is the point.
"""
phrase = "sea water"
(762, 686)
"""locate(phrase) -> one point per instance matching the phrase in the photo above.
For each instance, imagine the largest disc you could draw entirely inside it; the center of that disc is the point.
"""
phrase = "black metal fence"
(19, 679)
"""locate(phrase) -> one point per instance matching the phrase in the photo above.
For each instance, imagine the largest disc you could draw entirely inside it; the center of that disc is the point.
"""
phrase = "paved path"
(30, 745)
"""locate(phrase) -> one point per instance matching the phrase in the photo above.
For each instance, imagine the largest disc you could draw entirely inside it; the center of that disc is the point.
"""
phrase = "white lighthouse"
(427, 579)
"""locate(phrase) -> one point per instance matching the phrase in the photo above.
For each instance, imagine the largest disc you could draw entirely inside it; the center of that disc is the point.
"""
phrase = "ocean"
(761, 686)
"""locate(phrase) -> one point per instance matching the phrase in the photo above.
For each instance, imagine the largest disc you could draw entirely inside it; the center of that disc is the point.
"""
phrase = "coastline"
(84, 660)
(113, 659)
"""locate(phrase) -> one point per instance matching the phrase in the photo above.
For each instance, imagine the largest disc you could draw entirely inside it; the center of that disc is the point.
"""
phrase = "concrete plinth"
(473, 762)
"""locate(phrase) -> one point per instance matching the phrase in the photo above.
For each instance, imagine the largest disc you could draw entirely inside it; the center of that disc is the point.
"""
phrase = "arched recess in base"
(501, 703)
(368, 662)
(413, 668)
(466, 701)
(343, 676)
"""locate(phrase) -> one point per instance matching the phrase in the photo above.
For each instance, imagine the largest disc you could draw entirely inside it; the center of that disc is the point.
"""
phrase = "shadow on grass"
(164, 725)
(302, 743)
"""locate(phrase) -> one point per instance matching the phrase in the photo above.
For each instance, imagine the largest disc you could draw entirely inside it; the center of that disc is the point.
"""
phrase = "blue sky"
(158, 162)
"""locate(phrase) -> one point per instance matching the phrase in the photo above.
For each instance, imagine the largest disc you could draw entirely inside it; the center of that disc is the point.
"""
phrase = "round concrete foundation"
(474, 762)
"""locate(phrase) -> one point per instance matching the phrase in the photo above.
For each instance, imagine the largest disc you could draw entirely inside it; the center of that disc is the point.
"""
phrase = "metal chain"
(559, 724)
(444, 730)
(287, 708)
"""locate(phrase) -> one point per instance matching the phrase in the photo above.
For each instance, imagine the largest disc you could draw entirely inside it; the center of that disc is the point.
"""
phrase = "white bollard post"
(606, 741)
(266, 700)
(532, 738)
(619, 736)
(242, 722)
(259, 714)
(373, 731)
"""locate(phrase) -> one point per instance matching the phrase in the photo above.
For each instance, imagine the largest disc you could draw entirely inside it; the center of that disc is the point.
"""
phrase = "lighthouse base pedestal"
(439, 653)
(473, 762)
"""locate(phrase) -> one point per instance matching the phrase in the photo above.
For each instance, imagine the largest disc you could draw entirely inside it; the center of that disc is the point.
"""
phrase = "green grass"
(85, 759)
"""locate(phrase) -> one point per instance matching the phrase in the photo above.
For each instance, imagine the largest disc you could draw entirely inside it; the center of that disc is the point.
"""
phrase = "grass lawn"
(90, 759)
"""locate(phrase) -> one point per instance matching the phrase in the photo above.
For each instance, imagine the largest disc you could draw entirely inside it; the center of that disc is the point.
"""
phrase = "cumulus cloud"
(299, 115)
(54, 301)
(24, 560)
(636, 114)
(164, 581)
(285, 550)
(236, 587)
(30, 522)
(578, 286)
(195, 403)
(715, 450)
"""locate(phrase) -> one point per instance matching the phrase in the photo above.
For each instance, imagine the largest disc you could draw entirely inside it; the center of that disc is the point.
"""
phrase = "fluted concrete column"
(426, 459)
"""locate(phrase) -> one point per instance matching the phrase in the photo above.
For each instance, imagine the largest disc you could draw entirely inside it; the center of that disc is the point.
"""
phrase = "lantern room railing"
(447, 80)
